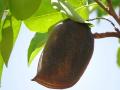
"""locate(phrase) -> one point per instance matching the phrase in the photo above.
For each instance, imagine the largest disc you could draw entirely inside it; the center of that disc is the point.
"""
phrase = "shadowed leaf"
(9, 32)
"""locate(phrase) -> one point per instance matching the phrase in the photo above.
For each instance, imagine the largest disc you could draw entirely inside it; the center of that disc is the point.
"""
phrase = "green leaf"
(77, 3)
(10, 31)
(81, 7)
(100, 12)
(118, 57)
(66, 9)
(116, 3)
(95, 7)
(1, 67)
(16, 28)
(45, 17)
(2, 21)
(42, 23)
(6, 44)
(1, 8)
(36, 45)
(83, 11)
(23, 9)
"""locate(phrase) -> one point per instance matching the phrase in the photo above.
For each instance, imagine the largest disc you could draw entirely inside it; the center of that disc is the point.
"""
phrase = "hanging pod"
(66, 55)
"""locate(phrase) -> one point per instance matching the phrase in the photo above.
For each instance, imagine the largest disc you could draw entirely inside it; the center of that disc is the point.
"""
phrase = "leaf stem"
(112, 11)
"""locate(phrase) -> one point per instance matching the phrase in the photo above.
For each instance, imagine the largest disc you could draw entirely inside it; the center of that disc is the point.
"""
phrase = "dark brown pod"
(66, 55)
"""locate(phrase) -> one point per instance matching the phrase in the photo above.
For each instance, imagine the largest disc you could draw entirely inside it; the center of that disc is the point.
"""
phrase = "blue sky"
(102, 72)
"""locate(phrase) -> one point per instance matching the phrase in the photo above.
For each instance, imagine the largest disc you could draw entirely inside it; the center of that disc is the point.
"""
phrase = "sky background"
(102, 72)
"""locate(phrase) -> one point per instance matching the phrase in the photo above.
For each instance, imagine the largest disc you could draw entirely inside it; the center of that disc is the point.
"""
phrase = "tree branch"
(102, 5)
(115, 28)
(112, 11)
(109, 9)
(106, 34)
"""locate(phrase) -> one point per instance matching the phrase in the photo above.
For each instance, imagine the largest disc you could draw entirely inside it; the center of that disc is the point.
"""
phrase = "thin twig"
(115, 28)
(112, 11)
(109, 9)
(106, 34)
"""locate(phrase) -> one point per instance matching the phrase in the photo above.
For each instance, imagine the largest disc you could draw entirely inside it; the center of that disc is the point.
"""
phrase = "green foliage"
(10, 30)
(77, 3)
(36, 45)
(100, 12)
(81, 7)
(1, 7)
(22, 9)
(43, 22)
(6, 44)
(118, 57)
(45, 17)
(1, 66)
(116, 3)
(83, 12)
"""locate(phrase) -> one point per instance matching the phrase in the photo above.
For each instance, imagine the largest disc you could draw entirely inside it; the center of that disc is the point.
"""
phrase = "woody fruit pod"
(66, 55)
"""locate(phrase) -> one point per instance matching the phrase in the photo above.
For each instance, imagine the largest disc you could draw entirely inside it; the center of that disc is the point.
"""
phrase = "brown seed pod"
(66, 55)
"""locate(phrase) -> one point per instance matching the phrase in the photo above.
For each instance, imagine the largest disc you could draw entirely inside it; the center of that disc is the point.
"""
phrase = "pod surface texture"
(66, 55)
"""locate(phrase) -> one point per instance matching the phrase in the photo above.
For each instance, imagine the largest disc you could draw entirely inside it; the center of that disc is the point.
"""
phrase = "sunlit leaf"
(1, 67)
(36, 45)
(43, 18)
(42, 23)
(16, 28)
(10, 31)
(46, 16)
(83, 11)
(81, 7)
(118, 57)
(77, 3)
